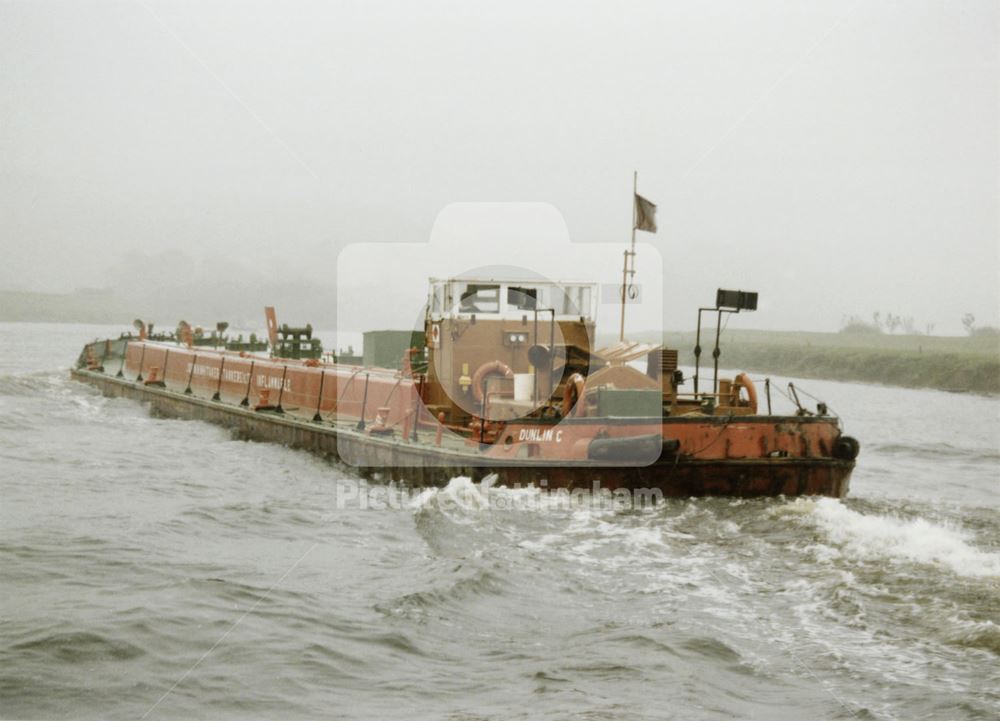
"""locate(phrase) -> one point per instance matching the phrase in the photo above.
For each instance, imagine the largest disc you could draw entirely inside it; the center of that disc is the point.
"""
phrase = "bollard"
(154, 377)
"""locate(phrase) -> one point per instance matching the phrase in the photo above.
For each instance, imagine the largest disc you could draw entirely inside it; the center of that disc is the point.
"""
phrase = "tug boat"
(503, 378)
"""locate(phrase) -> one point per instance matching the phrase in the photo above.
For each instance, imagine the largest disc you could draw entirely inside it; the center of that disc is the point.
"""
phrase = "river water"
(155, 568)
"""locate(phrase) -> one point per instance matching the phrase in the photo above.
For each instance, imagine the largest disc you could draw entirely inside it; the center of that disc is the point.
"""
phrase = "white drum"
(524, 386)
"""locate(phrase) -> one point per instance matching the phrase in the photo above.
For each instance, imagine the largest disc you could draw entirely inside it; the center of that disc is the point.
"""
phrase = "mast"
(629, 254)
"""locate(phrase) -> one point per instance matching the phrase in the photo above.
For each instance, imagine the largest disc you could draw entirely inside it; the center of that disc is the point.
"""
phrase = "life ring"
(743, 381)
(573, 395)
(492, 368)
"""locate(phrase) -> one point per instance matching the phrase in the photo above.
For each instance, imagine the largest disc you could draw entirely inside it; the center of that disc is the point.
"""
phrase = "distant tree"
(856, 326)
(882, 323)
(969, 321)
(986, 330)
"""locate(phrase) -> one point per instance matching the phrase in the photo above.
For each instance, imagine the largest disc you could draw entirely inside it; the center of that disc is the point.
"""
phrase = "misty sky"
(837, 157)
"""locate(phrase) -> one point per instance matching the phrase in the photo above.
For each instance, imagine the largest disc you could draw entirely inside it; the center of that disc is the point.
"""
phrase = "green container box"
(385, 348)
(629, 403)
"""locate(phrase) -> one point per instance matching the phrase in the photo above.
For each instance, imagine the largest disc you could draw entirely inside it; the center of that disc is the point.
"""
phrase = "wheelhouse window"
(437, 298)
(510, 300)
(572, 300)
(480, 298)
(522, 298)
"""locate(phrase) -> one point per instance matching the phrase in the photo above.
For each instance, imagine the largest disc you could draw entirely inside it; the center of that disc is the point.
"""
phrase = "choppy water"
(154, 568)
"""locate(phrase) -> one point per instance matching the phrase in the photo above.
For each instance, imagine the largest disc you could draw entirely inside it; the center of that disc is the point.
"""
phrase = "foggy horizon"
(839, 160)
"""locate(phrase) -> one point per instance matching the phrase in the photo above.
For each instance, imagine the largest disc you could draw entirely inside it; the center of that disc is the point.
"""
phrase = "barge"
(503, 378)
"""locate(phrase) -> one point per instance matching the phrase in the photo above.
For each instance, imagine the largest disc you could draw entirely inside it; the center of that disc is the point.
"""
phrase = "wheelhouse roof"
(510, 281)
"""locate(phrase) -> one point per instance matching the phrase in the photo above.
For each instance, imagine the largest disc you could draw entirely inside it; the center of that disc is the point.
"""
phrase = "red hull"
(316, 407)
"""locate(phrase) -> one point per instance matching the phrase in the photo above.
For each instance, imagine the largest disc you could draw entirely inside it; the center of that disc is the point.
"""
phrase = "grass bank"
(945, 363)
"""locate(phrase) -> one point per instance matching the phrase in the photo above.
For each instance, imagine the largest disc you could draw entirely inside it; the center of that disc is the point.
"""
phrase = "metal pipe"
(697, 350)
(218, 387)
(187, 391)
(121, 368)
(364, 404)
(346, 387)
(319, 398)
(621, 332)
(631, 251)
(534, 341)
(281, 391)
(767, 391)
(482, 420)
(552, 342)
(246, 396)
(795, 397)
(716, 352)
(552, 346)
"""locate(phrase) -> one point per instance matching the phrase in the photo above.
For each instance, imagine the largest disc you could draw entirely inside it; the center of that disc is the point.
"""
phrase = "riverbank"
(950, 363)
(960, 364)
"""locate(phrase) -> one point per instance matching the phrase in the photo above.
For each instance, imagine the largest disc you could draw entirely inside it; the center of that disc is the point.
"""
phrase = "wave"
(937, 451)
(452, 594)
(465, 502)
(80, 647)
(974, 634)
(30, 384)
(461, 500)
(914, 540)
